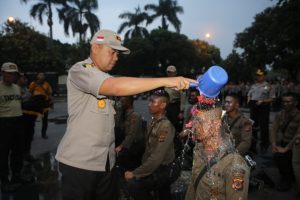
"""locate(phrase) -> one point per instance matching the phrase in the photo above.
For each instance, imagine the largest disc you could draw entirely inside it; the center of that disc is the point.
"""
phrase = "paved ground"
(46, 185)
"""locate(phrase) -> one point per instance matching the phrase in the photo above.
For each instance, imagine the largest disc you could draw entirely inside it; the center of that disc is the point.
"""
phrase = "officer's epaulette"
(86, 65)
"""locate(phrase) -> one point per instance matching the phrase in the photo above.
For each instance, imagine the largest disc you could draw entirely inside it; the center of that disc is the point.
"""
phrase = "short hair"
(130, 99)
(160, 92)
(233, 95)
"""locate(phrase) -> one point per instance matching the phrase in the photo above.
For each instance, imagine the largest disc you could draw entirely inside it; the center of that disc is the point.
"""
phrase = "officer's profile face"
(260, 78)
(156, 104)
(10, 77)
(104, 56)
(289, 103)
(171, 74)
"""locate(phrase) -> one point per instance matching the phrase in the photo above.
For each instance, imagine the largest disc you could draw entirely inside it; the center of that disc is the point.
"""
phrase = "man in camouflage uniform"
(218, 172)
(260, 96)
(239, 125)
(285, 131)
(159, 153)
(131, 149)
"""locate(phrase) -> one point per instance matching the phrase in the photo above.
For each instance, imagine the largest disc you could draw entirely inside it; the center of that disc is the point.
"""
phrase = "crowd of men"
(105, 136)
(20, 106)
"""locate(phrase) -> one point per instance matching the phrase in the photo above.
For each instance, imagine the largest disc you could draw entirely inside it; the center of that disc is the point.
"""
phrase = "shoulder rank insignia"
(87, 65)
(101, 103)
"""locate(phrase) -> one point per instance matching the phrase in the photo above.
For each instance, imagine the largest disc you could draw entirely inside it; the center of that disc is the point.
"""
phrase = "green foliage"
(34, 52)
(236, 68)
(44, 8)
(167, 10)
(150, 56)
(134, 20)
(77, 15)
(272, 40)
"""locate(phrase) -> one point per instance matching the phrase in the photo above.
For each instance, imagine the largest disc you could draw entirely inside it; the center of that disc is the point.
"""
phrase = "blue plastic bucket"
(212, 81)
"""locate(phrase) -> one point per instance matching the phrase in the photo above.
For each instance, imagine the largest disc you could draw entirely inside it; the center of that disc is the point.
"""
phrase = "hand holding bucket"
(211, 82)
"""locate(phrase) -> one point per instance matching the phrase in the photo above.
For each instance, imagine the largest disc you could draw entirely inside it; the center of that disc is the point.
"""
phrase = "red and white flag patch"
(100, 38)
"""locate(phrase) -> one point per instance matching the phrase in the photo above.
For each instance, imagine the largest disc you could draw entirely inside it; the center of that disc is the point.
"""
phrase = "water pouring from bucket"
(211, 82)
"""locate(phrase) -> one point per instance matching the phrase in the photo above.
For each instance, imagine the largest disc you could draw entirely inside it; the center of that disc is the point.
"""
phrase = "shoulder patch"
(238, 176)
(87, 65)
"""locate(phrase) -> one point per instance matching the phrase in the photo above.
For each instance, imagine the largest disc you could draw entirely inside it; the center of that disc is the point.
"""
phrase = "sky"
(221, 18)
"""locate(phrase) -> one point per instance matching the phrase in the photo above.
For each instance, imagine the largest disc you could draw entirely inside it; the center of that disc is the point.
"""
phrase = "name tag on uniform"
(101, 103)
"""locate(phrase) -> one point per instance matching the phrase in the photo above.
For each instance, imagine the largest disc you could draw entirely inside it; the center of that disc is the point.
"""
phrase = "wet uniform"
(241, 130)
(227, 179)
(158, 154)
(87, 148)
(260, 113)
(285, 127)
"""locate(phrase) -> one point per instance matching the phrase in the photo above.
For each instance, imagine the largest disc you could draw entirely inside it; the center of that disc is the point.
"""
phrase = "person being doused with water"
(218, 172)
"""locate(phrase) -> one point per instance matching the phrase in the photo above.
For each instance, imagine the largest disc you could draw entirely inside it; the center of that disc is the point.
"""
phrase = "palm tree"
(44, 8)
(167, 10)
(134, 20)
(78, 16)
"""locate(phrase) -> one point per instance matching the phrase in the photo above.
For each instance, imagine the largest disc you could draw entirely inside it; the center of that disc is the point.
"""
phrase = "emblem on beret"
(101, 103)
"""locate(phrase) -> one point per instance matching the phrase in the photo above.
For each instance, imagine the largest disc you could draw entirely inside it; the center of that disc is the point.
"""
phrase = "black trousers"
(11, 147)
(284, 164)
(80, 184)
(261, 116)
(28, 124)
(45, 123)
(142, 189)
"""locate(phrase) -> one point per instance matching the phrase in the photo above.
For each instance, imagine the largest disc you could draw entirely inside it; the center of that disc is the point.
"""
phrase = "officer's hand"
(119, 148)
(274, 148)
(128, 175)
(180, 115)
(259, 102)
(282, 149)
(179, 82)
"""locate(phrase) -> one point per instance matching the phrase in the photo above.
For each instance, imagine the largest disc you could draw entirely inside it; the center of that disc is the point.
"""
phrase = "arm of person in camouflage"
(246, 136)
(163, 139)
(289, 146)
(237, 180)
(131, 132)
(274, 132)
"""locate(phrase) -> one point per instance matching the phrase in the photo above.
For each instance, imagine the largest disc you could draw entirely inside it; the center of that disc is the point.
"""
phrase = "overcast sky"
(221, 18)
